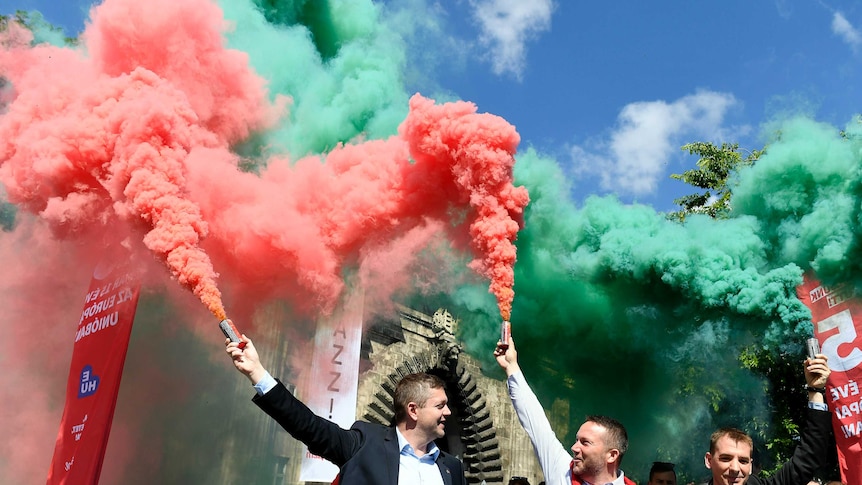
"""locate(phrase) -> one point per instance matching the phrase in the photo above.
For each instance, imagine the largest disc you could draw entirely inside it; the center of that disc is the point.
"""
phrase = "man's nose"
(446, 410)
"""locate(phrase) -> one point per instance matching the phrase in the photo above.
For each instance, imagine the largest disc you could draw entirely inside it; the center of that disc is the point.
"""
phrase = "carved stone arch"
(482, 449)
(472, 436)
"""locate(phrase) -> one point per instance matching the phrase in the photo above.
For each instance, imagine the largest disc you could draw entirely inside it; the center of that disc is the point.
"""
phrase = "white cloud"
(845, 30)
(506, 26)
(648, 133)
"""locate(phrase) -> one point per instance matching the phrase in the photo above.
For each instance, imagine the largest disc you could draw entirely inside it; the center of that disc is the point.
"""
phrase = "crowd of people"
(405, 453)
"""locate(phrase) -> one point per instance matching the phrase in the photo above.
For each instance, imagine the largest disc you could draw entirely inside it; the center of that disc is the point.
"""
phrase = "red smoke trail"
(140, 133)
(479, 149)
(88, 141)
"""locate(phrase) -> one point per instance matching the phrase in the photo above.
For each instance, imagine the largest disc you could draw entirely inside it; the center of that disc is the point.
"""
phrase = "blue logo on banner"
(89, 382)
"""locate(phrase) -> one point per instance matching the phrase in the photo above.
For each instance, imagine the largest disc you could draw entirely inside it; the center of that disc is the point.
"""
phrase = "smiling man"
(599, 446)
(729, 456)
(367, 453)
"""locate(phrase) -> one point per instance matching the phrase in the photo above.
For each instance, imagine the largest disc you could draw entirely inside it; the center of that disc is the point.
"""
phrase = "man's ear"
(613, 455)
(412, 411)
(706, 460)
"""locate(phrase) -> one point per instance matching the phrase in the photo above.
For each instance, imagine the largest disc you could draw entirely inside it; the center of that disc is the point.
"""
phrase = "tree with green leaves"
(714, 169)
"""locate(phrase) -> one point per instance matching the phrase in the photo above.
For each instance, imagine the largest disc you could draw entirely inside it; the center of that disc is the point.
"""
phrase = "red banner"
(837, 318)
(100, 344)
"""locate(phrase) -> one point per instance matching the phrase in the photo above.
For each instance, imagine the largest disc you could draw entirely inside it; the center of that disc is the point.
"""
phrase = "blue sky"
(611, 90)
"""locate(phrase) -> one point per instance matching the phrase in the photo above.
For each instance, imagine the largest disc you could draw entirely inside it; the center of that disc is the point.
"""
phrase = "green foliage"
(695, 382)
(784, 374)
(42, 30)
(20, 17)
(4, 22)
(714, 168)
(847, 135)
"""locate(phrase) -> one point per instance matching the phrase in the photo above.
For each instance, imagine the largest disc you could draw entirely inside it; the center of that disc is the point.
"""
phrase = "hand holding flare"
(231, 332)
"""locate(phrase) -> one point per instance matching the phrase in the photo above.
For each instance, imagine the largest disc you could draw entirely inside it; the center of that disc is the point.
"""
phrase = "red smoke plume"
(140, 132)
(477, 150)
(92, 141)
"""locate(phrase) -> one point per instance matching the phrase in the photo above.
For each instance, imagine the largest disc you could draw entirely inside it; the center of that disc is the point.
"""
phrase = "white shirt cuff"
(265, 384)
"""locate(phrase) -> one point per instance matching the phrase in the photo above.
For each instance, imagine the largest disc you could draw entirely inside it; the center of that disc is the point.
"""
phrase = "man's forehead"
(437, 395)
(591, 429)
(726, 446)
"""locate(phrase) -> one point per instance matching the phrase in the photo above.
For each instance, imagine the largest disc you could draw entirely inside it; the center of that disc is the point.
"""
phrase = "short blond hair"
(737, 435)
(414, 388)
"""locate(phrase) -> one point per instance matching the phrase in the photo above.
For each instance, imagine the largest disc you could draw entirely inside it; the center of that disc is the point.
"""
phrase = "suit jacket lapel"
(393, 459)
(444, 471)
(392, 456)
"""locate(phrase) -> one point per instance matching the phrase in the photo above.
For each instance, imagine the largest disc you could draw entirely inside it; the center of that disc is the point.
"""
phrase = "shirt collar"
(619, 480)
(404, 446)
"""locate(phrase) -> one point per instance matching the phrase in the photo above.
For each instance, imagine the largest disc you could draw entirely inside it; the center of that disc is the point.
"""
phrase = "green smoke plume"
(806, 193)
(339, 62)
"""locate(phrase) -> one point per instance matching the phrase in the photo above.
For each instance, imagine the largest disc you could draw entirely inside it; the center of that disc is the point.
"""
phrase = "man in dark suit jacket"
(366, 454)
(729, 456)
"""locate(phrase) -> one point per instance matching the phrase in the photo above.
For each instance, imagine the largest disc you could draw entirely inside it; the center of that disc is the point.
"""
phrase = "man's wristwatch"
(821, 390)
